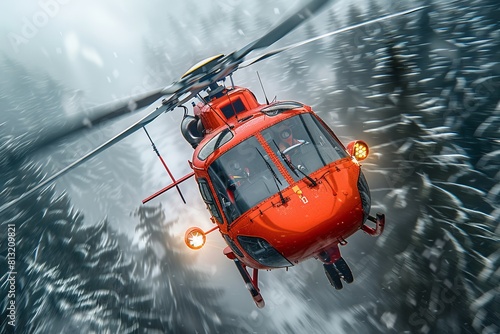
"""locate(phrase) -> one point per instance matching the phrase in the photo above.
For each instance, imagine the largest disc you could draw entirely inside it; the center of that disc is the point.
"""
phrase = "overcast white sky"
(63, 37)
(97, 46)
(88, 44)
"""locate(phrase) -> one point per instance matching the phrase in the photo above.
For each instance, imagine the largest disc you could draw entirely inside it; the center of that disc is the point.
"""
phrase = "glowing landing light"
(358, 149)
(195, 238)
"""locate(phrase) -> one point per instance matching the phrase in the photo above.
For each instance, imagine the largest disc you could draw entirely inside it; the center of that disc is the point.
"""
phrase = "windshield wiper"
(294, 168)
(276, 179)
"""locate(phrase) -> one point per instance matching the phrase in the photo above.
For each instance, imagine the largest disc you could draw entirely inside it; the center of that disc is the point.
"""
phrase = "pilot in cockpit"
(285, 137)
(237, 174)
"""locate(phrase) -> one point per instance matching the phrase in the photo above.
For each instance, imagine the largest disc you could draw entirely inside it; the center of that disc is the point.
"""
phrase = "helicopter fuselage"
(276, 205)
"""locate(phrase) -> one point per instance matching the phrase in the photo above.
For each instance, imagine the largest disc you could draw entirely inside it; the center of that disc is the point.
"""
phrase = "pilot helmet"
(285, 134)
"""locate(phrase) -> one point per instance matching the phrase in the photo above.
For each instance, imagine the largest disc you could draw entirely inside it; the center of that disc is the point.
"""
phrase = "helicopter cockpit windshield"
(303, 144)
(245, 175)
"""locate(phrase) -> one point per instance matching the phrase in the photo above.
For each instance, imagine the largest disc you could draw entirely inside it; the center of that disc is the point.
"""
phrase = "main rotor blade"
(335, 32)
(221, 67)
(110, 111)
(228, 64)
(167, 105)
(96, 116)
(286, 26)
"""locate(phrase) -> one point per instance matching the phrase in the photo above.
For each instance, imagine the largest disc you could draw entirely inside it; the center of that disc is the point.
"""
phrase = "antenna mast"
(262, 86)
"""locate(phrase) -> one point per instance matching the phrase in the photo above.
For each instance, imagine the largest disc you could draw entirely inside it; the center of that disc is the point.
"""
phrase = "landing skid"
(251, 283)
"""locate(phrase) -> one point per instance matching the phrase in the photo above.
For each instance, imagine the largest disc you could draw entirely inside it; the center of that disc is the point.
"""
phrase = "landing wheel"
(333, 275)
(344, 270)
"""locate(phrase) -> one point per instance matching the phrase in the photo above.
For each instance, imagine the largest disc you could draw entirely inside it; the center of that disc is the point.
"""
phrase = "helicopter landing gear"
(335, 271)
(379, 221)
(336, 268)
(251, 283)
(344, 270)
(333, 275)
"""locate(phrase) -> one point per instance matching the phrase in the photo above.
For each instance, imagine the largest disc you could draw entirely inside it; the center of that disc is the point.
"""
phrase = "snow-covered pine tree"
(68, 277)
(185, 299)
(444, 240)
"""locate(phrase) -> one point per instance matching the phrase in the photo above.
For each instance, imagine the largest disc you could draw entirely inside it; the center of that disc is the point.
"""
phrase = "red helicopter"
(280, 186)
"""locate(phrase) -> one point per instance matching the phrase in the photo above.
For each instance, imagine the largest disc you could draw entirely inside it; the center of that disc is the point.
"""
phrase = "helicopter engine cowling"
(192, 130)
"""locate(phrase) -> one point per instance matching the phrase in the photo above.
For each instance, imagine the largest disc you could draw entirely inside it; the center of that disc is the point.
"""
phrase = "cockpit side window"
(223, 137)
(305, 143)
(209, 199)
(243, 177)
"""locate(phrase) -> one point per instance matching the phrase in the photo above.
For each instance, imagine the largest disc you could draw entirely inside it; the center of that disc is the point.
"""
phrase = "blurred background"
(422, 90)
